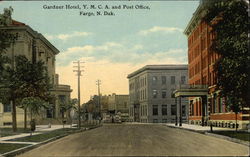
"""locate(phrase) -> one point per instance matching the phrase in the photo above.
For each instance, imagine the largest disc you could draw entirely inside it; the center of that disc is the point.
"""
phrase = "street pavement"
(139, 140)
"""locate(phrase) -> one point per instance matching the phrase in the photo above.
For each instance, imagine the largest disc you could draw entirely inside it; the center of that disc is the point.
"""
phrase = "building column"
(180, 113)
(204, 104)
(176, 117)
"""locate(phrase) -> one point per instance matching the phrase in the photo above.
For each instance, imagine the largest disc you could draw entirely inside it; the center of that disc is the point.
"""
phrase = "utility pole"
(98, 83)
(78, 74)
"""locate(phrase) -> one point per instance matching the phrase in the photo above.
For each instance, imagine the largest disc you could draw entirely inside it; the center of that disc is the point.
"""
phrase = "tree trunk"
(14, 124)
(25, 118)
(236, 122)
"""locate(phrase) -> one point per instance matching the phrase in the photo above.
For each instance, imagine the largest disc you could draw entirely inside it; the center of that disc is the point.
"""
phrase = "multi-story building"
(150, 93)
(110, 105)
(201, 62)
(118, 103)
(34, 46)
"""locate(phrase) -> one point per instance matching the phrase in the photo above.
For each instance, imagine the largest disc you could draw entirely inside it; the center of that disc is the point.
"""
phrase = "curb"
(216, 135)
(197, 131)
(30, 147)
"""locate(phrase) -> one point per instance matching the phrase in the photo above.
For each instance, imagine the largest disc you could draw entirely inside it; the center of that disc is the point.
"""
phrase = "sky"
(111, 47)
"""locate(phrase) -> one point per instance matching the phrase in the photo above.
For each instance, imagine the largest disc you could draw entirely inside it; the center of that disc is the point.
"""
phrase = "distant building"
(118, 103)
(35, 47)
(150, 93)
(112, 103)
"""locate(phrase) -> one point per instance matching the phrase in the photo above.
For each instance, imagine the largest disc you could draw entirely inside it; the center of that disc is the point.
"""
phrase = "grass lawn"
(46, 136)
(245, 136)
(6, 147)
(9, 132)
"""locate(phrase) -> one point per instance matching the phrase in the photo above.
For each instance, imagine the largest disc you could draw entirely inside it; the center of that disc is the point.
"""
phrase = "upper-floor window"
(172, 79)
(163, 79)
(183, 79)
(154, 79)
(155, 93)
(163, 93)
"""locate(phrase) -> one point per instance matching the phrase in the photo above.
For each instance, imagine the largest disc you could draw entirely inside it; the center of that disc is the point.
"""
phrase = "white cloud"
(65, 37)
(118, 53)
(160, 29)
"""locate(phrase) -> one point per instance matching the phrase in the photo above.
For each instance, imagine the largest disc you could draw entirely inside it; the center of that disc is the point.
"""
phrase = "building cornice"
(195, 20)
(159, 67)
(34, 34)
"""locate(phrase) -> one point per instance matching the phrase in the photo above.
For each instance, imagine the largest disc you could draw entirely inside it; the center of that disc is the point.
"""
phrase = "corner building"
(34, 46)
(201, 62)
(150, 93)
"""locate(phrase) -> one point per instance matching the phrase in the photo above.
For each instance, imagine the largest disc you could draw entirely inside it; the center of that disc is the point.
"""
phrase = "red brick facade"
(201, 62)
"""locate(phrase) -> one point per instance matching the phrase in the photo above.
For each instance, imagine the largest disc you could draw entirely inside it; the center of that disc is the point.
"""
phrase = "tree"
(34, 105)
(27, 79)
(230, 22)
(67, 106)
(6, 38)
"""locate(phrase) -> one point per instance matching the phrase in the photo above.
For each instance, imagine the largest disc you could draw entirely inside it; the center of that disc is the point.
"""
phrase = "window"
(155, 110)
(183, 79)
(155, 93)
(7, 108)
(172, 79)
(173, 109)
(183, 109)
(154, 79)
(163, 79)
(164, 110)
(163, 93)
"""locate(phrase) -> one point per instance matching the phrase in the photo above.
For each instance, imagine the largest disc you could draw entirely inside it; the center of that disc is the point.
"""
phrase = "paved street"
(139, 140)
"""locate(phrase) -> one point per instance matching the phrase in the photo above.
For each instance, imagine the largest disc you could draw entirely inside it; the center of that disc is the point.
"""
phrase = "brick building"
(201, 62)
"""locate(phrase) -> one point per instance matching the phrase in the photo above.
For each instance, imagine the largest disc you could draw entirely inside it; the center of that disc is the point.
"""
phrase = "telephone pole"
(98, 83)
(78, 74)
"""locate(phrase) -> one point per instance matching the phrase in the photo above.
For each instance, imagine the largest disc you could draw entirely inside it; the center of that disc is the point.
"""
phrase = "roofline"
(192, 23)
(160, 67)
(35, 34)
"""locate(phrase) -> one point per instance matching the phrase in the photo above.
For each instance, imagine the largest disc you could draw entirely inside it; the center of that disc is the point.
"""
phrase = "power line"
(78, 74)
(98, 83)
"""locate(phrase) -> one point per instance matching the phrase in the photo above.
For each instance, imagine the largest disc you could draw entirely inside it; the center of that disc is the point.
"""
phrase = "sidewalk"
(199, 128)
(39, 130)
(206, 130)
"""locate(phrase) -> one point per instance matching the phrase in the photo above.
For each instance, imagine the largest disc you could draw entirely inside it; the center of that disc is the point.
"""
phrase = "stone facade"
(35, 47)
(150, 93)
